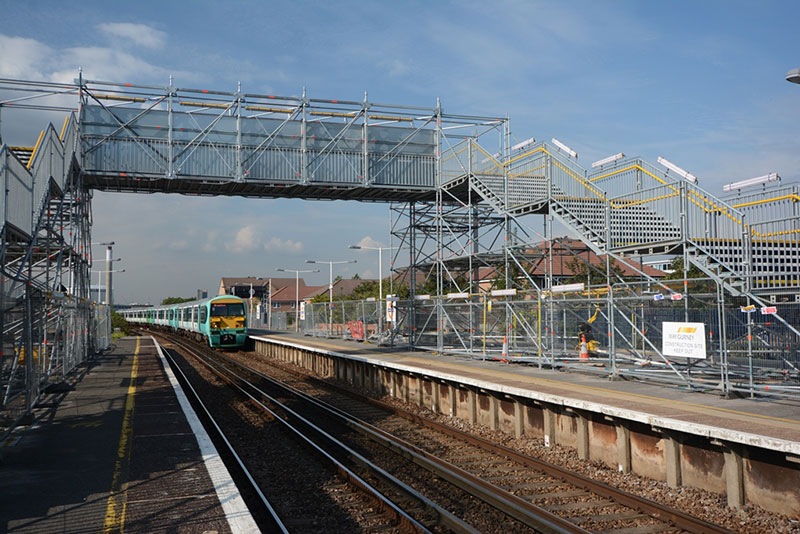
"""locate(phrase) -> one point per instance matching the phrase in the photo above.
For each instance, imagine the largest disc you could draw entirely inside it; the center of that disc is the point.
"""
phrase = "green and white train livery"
(220, 320)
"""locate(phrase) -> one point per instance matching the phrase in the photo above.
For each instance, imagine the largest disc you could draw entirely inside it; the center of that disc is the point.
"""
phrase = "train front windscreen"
(222, 309)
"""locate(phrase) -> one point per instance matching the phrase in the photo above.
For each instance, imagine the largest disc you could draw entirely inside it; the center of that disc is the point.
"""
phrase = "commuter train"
(220, 320)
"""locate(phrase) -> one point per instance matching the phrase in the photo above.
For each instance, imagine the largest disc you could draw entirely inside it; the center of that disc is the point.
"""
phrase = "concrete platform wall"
(746, 474)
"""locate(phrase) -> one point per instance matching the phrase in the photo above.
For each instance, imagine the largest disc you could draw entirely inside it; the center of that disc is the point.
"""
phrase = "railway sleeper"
(644, 529)
(579, 505)
(619, 516)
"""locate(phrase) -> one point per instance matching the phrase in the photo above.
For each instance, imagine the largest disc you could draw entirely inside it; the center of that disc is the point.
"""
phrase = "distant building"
(202, 294)
(285, 298)
(341, 288)
(241, 286)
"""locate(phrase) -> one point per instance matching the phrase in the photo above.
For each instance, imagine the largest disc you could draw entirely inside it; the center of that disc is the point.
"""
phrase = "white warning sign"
(685, 340)
(302, 311)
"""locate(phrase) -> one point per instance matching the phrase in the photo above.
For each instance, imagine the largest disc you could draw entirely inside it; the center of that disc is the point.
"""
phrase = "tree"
(175, 300)
(516, 277)
(677, 270)
(597, 274)
(118, 321)
(356, 277)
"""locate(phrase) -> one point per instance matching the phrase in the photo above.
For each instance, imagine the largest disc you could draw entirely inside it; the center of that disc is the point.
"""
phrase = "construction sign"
(685, 340)
(391, 310)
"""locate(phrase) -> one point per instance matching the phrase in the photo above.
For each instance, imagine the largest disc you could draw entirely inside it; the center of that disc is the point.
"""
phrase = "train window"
(222, 309)
(203, 314)
(171, 314)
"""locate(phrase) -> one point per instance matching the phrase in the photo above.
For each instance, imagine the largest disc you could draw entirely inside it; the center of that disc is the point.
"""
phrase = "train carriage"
(220, 320)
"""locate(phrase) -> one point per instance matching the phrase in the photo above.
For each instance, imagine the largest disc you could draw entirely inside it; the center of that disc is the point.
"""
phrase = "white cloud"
(277, 245)
(103, 63)
(367, 241)
(23, 58)
(245, 241)
(140, 34)
(29, 59)
(210, 244)
(180, 244)
(397, 67)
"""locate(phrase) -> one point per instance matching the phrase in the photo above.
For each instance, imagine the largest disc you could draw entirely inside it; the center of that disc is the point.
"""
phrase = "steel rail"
(653, 509)
(508, 503)
(408, 523)
(197, 401)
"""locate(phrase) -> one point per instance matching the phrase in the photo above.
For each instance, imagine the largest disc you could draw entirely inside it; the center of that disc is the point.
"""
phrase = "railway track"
(589, 503)
(523, 493)
(277, 511)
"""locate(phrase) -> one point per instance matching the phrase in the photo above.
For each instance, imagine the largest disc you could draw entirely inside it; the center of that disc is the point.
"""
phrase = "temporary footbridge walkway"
(466, 195)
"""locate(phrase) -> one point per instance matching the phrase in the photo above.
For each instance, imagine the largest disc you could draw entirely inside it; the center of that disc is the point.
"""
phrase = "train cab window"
(203, 314)
(222, 309)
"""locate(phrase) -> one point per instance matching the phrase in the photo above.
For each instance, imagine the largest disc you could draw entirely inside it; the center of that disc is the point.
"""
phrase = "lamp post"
(297, 292)
(380, 282)
(330, 290)
(793, 76)
(98, 280)
(109, 294)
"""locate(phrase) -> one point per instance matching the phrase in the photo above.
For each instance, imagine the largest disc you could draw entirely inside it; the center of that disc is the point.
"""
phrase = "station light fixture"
(771, 177)
(793, 76)
(609, 159)
(568, 288)
(494, 156)
(677, 170)
(523, 144)
(565, 148)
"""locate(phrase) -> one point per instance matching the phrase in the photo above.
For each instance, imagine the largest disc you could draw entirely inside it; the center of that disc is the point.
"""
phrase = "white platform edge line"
(236, 512)
(734, 436)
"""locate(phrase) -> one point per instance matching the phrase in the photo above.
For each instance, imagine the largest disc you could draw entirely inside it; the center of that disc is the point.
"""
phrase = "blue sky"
(700, 83)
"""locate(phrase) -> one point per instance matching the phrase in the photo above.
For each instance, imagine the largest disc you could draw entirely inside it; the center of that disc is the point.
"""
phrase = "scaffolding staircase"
(748, 244)
(45, 255)
(632, 208)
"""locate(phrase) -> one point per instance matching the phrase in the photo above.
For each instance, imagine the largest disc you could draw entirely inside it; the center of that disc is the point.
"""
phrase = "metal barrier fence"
(745, 351)
(262, 318)
(349, 319)
(58, 333)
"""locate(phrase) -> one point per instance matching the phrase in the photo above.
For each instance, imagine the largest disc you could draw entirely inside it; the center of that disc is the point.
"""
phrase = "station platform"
(769, 424)
(123, 451)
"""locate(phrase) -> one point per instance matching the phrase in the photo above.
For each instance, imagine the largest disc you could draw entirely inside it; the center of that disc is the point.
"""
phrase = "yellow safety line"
(118, 499)
(492, 159)
(776, 199)
(703, 204)
(64, 128)
(35, 148)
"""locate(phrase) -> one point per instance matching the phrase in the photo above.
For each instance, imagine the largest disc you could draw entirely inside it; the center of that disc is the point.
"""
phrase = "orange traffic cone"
(584, 348)
(505, 348)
